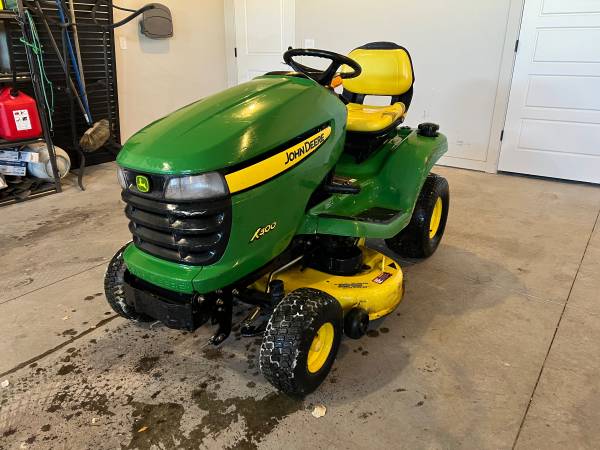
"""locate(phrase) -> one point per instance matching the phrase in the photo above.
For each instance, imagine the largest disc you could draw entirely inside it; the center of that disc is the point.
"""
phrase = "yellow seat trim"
(368, 118)
(384, 72)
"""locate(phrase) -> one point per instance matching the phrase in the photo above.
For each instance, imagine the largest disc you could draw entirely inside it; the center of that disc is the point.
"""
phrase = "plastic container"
(19, 117)
(43, 168)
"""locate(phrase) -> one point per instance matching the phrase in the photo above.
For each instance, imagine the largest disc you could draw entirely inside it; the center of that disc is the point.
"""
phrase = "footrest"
(371, 215)
(378, 215)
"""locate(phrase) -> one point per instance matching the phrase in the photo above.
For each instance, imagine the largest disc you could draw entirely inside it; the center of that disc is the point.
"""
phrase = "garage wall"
(457, 48)
(156, 77)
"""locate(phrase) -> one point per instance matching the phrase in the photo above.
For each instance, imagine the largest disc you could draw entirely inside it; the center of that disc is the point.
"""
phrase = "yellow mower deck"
(378, 289)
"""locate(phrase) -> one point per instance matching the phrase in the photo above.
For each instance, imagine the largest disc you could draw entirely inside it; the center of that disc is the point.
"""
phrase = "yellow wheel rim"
(320, 348)
(436, 218)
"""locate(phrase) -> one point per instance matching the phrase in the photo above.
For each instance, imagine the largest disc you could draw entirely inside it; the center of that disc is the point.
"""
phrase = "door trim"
(230, 39)
(507, 68)
(229, 12)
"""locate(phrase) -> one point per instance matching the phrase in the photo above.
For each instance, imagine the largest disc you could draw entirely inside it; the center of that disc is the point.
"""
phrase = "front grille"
(194, 233)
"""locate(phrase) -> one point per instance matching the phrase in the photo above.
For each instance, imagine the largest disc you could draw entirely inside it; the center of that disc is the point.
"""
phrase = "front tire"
(422, 236)
(301, 341)
(114, 292)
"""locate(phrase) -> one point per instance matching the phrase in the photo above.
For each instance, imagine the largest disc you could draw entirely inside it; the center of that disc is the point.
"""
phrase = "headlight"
(207, 185)
(122, 178)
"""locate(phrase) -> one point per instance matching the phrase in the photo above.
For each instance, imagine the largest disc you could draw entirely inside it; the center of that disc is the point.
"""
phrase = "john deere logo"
(303, 150)
(142, 183)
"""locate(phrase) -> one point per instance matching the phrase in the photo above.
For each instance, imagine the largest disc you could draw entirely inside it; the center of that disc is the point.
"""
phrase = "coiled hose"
(37, 49)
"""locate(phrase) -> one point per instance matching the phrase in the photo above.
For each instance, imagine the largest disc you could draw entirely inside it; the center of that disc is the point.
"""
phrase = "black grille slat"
(206, 225)
(194, 233)
(202, 259)
(172, 241)
(175, 209)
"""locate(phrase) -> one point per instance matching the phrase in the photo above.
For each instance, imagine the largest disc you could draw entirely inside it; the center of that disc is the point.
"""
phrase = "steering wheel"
(323, 77)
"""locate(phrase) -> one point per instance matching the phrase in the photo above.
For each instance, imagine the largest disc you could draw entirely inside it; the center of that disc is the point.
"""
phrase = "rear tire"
(422, 236)
(301, 341)
(113, 289)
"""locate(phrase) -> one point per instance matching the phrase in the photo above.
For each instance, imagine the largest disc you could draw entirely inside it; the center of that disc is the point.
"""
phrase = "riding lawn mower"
(264, 194)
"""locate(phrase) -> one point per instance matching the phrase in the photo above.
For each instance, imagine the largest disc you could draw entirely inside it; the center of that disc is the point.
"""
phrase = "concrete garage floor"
(495, 345)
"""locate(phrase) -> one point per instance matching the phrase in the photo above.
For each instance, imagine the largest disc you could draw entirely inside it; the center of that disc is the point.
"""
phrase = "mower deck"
(378, 288)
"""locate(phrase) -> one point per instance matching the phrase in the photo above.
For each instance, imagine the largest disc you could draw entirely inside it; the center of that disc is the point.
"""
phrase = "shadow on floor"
(161, 387)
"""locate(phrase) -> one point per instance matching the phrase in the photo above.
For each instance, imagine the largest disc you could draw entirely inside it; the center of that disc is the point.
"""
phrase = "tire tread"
(285, 331)
(410, 242)
(113, 288)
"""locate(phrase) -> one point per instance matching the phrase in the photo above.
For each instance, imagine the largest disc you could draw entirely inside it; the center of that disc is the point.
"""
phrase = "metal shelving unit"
(8, 78)
(15, 144)
(97, 77)
(40, 189)
(101, 79)
(7, 14)
(15, 19)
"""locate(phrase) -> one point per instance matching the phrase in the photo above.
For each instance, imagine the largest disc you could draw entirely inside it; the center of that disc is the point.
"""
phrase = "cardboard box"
(9, 155)
(30, 157)
(14, 155)
(18, 168)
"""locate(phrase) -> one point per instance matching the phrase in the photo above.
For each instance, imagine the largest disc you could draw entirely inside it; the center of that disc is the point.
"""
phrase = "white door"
(264, 30)
(553, 122)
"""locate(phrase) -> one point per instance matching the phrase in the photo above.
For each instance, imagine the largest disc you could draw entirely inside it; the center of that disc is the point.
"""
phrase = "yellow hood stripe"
(276, 164)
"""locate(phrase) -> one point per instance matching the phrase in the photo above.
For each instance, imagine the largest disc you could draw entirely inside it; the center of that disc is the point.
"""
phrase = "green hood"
(230, 127)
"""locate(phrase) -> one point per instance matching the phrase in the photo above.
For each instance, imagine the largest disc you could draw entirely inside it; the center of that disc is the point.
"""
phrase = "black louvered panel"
(90, 39)
(194, 233)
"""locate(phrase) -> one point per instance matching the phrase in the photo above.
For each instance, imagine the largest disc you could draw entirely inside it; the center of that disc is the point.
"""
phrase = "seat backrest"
(387, 70)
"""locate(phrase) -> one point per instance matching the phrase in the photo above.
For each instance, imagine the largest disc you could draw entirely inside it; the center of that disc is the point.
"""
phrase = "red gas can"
(19, 118)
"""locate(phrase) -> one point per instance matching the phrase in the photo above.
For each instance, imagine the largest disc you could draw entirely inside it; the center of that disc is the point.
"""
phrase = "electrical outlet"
(123, 42)
(309, 43)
